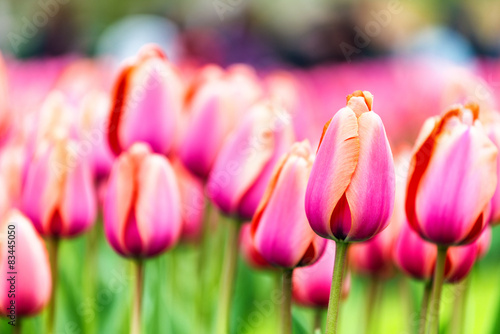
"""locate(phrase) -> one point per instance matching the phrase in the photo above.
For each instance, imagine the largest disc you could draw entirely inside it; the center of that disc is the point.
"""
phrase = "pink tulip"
(484, 242)
(33, 282)
(192, 203)
(142, 209)
(58, 194)
(146, 103)
(5, 115)
(248, 250)
(350, 194)
(417, 257)
(452, 178)
(281, 232)
(493, 130)
(311, 284)
(245, 163)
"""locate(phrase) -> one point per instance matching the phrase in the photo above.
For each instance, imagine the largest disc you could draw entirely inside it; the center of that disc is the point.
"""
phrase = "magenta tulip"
(246, 161)
(350, 195)
(142, 210)
(59, 195)
(452, 178)
(311, 284)
(417, 257)
(146, 104)
(281, 232)
(33, 281)
(493, 130)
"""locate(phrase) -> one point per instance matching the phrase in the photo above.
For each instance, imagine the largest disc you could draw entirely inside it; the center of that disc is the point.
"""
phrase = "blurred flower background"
(64, 57)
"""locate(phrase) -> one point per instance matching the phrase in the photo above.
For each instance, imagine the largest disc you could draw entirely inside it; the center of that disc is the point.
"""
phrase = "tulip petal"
(336, 159)
(462, 164)
(371, 192)
(284, 215)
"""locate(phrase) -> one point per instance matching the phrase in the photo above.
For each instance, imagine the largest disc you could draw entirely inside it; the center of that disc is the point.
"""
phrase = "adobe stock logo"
(373, 28)
(40, 18)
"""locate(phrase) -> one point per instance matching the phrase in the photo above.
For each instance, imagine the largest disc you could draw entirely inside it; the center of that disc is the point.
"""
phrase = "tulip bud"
(33, 281)
(281, 232)
(248, 250)
(350, 195)
(452, 178)
(311, 284)
(59, 195)
(245, 163)
(142, 215)
(417, 257)
(484, 243)
(146, 103)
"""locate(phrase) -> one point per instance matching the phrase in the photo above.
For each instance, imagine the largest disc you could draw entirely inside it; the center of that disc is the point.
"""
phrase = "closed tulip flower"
(146, 104)
(350, 194)
(417, 257)
(452, 179)
(33, 286)
(59, 195)
(483, 243)
(142, 209)
(311, 284)
(246, 161)
(280, 228)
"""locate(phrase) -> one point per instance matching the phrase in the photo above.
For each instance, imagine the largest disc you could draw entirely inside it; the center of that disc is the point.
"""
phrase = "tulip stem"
(433, 313)
(336, 289)
(53, 245)
(424, 306)
(286, 305)
(135, 326)
(375, 286)
(459, 306)
(17, 327)
(318, 314)
(228, 278)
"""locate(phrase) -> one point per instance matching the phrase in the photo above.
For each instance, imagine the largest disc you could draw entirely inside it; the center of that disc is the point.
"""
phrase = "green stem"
(135, 326)
(404, 290)
(201, 267)
(424, 307)
(91, 268)
(336, 289)
(53, 245)
(375, 285)
(18, 326)
(433, 313)
(286, 304)
(459, 306)
(318, 314)
(228, 278)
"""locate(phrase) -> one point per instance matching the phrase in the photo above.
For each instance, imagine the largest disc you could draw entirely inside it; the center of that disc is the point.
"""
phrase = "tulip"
(246, 161)
(248, 250)
(33, 280)
(450, 184)
(417, 257)
(350, 194)
(146, 104)
(142, 215)
(142, 211)
(299, 246)
(59, 195)
(493, 130)
(311, 284)
(5, 115)
(483, 243)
